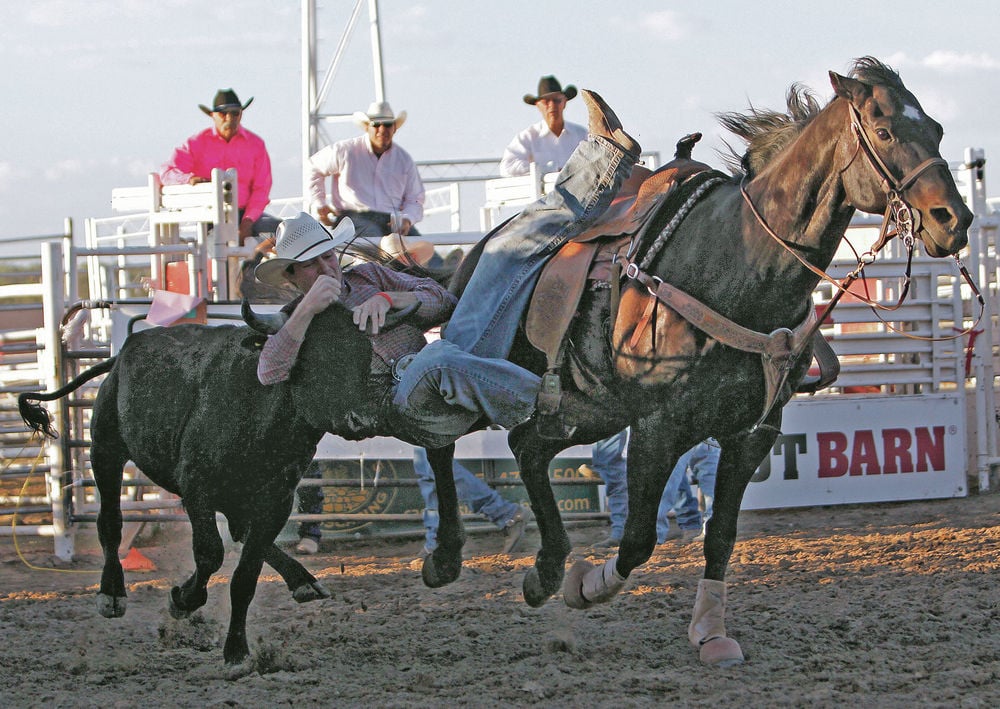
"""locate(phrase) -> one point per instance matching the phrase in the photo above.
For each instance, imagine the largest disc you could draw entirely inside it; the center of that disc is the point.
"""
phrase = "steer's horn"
(266, 323)
(394, 318)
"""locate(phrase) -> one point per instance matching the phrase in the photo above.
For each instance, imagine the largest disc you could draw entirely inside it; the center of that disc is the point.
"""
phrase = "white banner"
(864, 449)
(832, 450)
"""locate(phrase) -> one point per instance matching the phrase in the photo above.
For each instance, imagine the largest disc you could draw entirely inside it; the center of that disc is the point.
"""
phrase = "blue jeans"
(310, 503)
(443, 391)
(702, 460)
(472, 490)
(608, 461)
(704, 463)
(486, 318)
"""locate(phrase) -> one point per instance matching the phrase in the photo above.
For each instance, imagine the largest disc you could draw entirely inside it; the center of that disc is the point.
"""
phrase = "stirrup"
(553, 428)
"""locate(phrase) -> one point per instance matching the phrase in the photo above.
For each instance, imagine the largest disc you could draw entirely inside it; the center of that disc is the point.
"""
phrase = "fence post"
(972, 177)
(53, 306)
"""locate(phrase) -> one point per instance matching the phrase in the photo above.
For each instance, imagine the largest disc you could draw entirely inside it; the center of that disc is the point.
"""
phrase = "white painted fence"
(920, 423)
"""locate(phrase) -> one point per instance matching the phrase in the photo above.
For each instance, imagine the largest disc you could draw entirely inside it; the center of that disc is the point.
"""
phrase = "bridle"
(899, 216)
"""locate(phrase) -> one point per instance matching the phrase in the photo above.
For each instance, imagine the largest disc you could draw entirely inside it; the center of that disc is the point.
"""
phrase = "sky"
(98, 93)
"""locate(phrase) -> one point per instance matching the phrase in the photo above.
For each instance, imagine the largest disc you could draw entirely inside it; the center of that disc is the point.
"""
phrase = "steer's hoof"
(573, 585)
(176, 612)
(111, 606)
(721, 652)
(310, 592)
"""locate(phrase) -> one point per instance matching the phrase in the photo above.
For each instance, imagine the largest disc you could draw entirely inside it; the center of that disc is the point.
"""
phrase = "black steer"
(185, 404)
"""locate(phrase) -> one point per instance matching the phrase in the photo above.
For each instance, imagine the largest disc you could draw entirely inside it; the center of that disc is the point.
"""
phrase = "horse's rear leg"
(107, 461)
(208, 551)
(740, 458)
(534, 454)
(650, 456)
(445, 563)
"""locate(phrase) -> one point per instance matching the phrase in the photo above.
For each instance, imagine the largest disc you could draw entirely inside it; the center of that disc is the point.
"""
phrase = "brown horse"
(752, 249)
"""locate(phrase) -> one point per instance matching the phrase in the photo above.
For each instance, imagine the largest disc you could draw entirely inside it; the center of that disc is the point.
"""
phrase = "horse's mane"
(767, 132)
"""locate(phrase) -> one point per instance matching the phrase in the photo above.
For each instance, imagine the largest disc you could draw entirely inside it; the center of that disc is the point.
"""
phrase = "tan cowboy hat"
(225, 100)
(419, 251)
(547, 86)
(297, 240)
(379, 112)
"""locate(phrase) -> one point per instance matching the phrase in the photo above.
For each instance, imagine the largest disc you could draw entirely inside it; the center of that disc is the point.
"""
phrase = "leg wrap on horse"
(707, 631)
(602, 583)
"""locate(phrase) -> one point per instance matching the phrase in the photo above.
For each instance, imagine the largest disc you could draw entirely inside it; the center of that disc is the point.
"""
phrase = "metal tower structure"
(315, 115)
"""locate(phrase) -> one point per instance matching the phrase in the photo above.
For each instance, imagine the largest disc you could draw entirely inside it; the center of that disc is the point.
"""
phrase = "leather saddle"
(589, 254)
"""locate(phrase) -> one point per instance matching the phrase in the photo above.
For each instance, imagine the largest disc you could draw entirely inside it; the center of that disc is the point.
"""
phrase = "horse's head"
(894, 159)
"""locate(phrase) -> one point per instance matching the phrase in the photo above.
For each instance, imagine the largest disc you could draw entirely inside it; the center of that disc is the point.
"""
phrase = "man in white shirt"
(548, 143)
(373, 181)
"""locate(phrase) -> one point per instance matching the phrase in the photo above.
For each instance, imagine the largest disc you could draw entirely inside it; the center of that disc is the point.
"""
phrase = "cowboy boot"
(685, 145)
(605, 124)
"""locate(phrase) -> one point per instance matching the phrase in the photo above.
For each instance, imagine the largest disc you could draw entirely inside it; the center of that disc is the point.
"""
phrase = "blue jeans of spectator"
(443, 391)
(471, 489)
(703, 462)
(310, 503)
(608, 461)
(678, 495)
(487, 316)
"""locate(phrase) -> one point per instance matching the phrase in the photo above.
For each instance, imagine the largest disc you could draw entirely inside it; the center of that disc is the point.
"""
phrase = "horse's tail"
(36, 417)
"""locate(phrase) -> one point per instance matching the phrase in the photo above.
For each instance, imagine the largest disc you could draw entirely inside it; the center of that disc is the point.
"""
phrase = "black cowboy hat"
(550, 85)
(225, 100)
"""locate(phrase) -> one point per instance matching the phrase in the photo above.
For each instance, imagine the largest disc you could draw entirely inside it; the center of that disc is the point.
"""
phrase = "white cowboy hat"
(379, 112)
(300, 239)
(419, 251)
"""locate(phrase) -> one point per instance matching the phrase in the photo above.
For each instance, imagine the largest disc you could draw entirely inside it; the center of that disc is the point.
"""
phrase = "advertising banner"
(864, 449)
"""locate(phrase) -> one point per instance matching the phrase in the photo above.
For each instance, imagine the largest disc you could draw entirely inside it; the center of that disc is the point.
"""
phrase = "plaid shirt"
(359, 284)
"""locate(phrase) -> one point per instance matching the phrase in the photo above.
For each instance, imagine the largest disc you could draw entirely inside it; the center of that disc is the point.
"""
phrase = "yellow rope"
(17, 508)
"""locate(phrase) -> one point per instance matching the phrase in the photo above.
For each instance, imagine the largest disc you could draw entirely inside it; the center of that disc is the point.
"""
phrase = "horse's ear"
(848, 88)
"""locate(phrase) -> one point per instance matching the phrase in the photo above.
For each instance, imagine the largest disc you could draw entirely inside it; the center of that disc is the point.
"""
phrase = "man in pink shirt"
(228, 145)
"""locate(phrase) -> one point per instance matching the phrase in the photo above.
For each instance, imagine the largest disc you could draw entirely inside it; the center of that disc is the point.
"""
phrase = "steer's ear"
(253, 342)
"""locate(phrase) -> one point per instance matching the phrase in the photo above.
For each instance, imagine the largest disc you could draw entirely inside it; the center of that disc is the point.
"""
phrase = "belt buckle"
(399, 366)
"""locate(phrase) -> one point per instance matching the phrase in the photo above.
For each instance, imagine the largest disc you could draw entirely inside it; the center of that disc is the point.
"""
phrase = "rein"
(781, 349)
(898, 214)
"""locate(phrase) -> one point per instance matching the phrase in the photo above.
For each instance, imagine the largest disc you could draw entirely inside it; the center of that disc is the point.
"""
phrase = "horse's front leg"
(739, 460)
(534, 454)
(444, 564)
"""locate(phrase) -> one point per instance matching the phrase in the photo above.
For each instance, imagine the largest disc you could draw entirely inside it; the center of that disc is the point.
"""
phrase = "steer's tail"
(36, 417)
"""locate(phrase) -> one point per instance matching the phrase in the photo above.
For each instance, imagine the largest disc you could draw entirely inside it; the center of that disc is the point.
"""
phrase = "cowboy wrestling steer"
(184, 403)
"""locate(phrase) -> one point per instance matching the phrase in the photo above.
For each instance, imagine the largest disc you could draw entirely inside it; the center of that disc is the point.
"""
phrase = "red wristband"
(386, 296)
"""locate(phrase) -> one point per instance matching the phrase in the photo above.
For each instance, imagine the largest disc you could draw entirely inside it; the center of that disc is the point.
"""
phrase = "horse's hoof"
(721, 652)
(111, 606)
(313, 591)
(436, 574)
(535, 594)
(573, 585)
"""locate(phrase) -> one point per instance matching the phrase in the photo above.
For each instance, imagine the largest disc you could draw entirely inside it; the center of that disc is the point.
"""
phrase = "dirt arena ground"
(893, 605)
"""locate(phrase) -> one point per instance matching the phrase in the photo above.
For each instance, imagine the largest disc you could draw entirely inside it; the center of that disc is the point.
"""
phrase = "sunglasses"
(383, 124)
